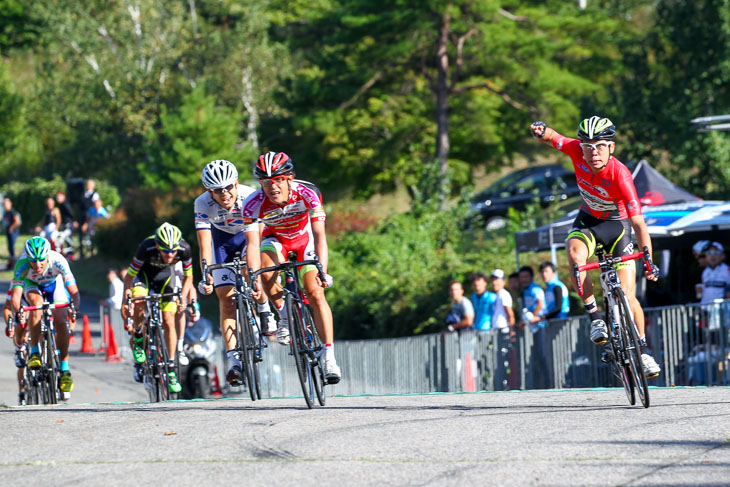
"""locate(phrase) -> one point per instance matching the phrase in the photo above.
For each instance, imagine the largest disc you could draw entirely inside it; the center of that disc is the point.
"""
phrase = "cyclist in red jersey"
(609, 211)
(292, 217)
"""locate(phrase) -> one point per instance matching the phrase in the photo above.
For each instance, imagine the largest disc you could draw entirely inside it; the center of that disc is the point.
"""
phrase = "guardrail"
(690, 343)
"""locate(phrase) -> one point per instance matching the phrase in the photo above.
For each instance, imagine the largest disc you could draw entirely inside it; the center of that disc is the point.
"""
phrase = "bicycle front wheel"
(619, 365)
(161, 364)
(51, 367)
(632, 344)
(299, 349)
(316, 356)
(245, 344)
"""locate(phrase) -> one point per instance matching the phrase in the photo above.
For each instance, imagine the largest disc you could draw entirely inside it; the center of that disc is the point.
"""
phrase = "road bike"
(623, 351)
(42, 385)
(249, 339)
(156, 369)
(305, 345)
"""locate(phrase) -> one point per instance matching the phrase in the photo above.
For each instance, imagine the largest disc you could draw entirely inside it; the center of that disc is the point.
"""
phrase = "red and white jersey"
(290, 222)
(608, 195)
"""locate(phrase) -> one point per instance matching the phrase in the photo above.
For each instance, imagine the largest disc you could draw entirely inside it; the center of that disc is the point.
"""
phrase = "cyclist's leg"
(136, 339)
(34, 298)
(273, 253)
(56, 293)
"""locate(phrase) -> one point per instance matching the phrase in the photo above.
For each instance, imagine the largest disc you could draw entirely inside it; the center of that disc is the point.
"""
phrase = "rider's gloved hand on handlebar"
(205, 288)
(652, 274)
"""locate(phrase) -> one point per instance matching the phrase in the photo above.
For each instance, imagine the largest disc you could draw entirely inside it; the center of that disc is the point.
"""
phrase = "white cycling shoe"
(282, 334)
(332, 373)
(182, 358)
(651, 368)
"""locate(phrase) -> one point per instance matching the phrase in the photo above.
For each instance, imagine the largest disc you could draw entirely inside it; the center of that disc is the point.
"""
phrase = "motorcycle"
(200, 345)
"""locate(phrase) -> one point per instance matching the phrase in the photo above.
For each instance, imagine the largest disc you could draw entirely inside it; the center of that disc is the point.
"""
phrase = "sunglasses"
(713, 252)
(168, 251)
(36, 260)
(226, 189)
(598, 147)
(275, 180)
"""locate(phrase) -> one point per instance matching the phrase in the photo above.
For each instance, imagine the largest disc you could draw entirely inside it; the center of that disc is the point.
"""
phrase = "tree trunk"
(442, 104)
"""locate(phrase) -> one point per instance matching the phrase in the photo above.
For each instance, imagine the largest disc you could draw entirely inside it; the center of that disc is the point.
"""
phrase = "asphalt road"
(107, 435)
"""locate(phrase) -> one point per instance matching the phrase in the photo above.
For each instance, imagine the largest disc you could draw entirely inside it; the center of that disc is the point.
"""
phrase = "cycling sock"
(180, 344)
(233, 357)
(592, 310)
(329, 351)
(64, 366)
(263, 308)
(35, 349)
(171, 365)
(282, 311)
(642, 344)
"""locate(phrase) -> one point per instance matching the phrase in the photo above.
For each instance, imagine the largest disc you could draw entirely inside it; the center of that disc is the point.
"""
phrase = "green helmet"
(168, 237)
(37, 248)
(596, 128)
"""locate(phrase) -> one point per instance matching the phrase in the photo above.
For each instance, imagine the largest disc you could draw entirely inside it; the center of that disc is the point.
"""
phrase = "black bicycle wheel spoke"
(633, 350)
(162, 365)
(52, 375)
(296, 330)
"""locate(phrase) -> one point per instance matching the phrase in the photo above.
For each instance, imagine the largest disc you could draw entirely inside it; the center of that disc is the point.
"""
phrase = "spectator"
(503, 317)
(483, 301)
(50, 223)
(533, 301)
(116, 291)
(11, 224)
(557, 302)
(96, 211)
(716, 276)
(67, 214)
(90, 195)
(462, 311)
(513, 286)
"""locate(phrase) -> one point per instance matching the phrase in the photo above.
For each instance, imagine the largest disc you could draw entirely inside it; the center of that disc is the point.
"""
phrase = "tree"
(394, 84)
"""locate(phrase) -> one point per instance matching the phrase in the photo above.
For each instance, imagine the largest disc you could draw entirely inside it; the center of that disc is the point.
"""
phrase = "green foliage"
(195, 133)
(392, 280)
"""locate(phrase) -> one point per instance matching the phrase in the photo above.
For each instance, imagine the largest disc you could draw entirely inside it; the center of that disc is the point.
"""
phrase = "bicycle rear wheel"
(299, 349)
(245, 344)
(32, 390)
(619, 366)
(632, 345)
(316, 357)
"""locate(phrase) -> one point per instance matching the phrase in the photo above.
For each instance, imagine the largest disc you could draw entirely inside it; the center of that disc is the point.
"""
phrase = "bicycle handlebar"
(284, 266)
(236, 265)
(609, 260)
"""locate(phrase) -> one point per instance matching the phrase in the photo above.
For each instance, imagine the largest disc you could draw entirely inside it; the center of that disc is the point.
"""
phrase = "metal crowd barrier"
(690, 343)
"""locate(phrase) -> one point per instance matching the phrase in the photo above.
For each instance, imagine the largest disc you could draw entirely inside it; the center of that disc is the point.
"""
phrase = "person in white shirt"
(716, 276)
(503, 317)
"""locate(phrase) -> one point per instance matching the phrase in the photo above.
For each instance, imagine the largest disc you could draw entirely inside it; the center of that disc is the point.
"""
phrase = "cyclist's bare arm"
(73, 290)
(543, 133)
(205, 244)
(643, 239)
(320, 243)
(15, 298)
(253, 257)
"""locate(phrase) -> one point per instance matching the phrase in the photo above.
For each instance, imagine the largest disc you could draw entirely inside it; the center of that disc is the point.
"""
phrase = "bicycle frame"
(623, 336)
(306, 347)
(155, 371)
(249, 340)
(44, 382)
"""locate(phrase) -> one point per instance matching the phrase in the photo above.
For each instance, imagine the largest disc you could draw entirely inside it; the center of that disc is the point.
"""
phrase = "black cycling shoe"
(607, 355)
(235, 376)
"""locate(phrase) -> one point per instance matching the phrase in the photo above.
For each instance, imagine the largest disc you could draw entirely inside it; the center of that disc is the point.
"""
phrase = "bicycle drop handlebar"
(284, 266)
(607, 261)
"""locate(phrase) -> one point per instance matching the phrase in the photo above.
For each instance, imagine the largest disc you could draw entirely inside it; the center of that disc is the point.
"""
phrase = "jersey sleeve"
(186, 257)
(568, 146)
(19, 272)
(137, 260)
(202, 219)
(313, 202)
(62, 267)
(250, 211)
(627, 189)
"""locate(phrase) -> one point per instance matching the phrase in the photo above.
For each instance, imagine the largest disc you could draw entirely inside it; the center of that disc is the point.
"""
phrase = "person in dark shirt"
(11, 224)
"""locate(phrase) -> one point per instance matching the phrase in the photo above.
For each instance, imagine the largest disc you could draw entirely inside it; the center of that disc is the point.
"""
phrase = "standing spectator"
(483, 301)
(87, 202)
(533, 300)
(116, 292)
(11, 224)
(514, 288)
(716, 276)
(462, 311)
(51, 222)
(96, 211)
(503, 317)
(557, 302)
(67, 214)
(699, 250)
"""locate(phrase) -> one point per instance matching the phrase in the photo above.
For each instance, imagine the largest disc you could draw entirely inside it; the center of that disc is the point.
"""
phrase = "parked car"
(546, 185)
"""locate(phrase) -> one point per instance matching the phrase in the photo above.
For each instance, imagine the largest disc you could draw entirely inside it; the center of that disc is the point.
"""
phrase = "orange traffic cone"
(86, 346)
(216, 389)
(112, 352)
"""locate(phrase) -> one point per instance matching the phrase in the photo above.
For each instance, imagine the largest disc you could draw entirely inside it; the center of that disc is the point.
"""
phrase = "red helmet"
(273, 164)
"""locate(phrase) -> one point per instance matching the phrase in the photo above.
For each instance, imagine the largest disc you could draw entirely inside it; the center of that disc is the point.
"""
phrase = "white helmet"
(219, 174)
(700, 247)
